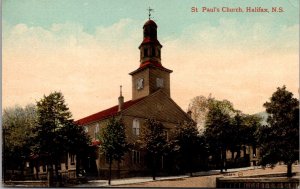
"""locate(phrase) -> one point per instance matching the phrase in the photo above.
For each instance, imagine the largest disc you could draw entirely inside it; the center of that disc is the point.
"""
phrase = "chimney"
(121, 100)
(189, 113)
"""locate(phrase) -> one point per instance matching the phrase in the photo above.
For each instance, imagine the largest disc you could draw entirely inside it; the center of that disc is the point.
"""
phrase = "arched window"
(96, 131)
(136, 127)
(145, 52)
(153, 51)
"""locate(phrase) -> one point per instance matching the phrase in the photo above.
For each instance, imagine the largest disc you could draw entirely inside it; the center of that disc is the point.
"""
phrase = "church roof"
(106, 113)
(153, 64)
(150, 22)
(149, 40)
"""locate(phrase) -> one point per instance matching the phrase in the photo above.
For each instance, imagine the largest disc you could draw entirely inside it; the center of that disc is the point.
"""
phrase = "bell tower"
(150, 47)
(151, 75)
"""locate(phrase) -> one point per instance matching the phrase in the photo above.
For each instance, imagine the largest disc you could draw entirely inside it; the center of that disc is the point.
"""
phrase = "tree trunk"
(119, 171)
(289, 170)
(22, 169)
(154, 167)
(56, 169)
(190, 163)
(36, 165)
(109, 176)
(221, 162)
(50, 175)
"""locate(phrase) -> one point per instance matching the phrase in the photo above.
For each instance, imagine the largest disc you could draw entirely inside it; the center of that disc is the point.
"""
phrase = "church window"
(44, 168)
(96, 130)
(140, 83)
(136, 127)
(158, 53)
(254, 151)
(72, 157)
(86, 129)
(136, 156)
(166, 134)
(159, 82)
(153, 51)
(145, 52)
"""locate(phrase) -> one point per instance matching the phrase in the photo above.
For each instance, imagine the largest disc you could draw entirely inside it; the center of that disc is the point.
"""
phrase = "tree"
(218, 129)
(113, 142)
(76, 142)
(154, 141)
(199, 108)
(17, 125)
(280, 138)
(56, 133)
(189, 143)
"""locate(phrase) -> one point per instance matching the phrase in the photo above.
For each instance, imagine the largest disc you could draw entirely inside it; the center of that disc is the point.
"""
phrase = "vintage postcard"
(173, 93)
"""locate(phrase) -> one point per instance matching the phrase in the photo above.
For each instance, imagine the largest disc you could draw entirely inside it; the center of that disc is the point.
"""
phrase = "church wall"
(158, 105)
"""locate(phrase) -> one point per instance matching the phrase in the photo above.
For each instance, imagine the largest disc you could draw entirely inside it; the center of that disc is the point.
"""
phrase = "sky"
(86, 48)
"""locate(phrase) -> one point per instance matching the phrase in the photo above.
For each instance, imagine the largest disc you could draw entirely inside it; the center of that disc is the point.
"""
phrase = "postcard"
(150, 93)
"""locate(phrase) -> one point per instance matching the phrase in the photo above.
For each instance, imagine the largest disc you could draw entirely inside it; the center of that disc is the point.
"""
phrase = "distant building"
(151, 98)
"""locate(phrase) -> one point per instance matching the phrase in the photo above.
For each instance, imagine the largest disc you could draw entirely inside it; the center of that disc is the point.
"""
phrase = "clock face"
(159, 82)
(140, 84)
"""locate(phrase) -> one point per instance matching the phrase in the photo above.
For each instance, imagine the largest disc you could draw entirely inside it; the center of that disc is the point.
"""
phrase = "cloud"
(232, 60)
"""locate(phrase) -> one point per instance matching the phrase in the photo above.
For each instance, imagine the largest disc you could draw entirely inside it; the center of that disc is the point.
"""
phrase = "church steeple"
(151, 75)
(150, 48)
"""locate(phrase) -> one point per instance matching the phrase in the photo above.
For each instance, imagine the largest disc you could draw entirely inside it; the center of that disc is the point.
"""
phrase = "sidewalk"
(135, 180)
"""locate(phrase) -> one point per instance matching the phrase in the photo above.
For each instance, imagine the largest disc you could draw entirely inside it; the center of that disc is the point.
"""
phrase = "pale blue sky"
(86, 48)
(175, 15)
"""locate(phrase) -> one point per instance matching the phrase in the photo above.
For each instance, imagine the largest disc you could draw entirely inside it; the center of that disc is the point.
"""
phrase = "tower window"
(145, 52)
(136, 127)
(153, 51)
(159, 82)
(158, 53)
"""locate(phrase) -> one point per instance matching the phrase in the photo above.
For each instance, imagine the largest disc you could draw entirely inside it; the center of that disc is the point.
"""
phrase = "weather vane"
(149, 9)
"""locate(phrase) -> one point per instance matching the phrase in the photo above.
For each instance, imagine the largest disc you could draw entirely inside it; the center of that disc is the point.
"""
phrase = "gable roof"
(106, 113)
(152, 97)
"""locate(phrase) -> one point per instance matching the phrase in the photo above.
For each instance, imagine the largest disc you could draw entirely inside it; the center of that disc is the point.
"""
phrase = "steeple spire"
(149, 9)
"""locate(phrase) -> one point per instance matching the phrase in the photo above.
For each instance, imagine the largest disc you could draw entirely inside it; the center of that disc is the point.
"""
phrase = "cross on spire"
(149, 9)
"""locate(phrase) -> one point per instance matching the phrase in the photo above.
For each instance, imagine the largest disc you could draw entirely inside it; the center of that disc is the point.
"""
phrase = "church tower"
(151, 75)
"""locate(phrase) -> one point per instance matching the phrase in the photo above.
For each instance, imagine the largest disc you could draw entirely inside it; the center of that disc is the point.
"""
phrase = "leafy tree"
(243, 130)
(17, 125)
(189, 143)
(114, 143)
(154, 141)
(218, 129)
(280, 138)
(76, 142)
(198, 107)
(56, 132)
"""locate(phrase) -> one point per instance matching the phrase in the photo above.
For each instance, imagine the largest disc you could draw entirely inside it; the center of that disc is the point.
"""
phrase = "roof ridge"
(105, 113)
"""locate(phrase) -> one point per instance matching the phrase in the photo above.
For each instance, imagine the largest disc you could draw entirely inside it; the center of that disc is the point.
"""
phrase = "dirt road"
(210, 181)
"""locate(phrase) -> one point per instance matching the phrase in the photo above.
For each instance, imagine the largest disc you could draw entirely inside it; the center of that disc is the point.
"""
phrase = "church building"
(151, 98)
